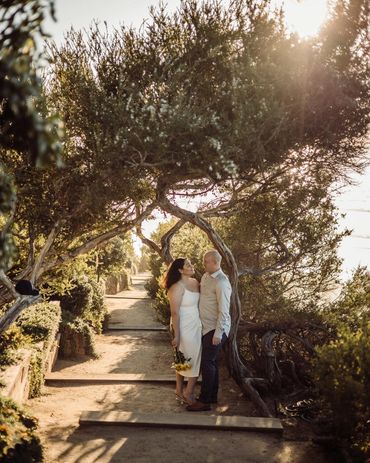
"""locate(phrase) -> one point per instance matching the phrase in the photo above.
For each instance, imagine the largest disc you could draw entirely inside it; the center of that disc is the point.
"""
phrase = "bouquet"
(180, 362)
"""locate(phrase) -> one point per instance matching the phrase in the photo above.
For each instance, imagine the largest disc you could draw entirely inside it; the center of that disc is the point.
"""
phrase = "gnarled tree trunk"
(237, 368)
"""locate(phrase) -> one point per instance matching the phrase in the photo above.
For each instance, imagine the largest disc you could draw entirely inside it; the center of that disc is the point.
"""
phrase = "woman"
(183, 294)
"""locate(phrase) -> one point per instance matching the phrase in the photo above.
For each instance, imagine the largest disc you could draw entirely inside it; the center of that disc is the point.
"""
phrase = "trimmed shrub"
(152, 287)
(10, 341)
(18, 440)
(342, 374)
(97, 312)
(162, 307)
(79, 298)
(86, 300)
(84, 313)
(40, 321)
(40, 324)
(77, 337)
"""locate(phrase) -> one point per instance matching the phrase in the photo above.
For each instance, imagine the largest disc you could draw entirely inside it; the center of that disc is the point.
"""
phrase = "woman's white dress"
(190, 332)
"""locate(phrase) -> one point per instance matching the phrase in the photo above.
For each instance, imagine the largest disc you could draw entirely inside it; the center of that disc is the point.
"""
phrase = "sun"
(305, 16)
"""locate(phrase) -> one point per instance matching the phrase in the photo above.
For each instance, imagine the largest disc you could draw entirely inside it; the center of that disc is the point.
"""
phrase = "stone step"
(109, 378)
(131, 298)
(57, 377)
(184, 420)
(121, 327)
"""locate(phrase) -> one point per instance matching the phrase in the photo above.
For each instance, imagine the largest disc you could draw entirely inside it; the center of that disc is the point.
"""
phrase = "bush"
(83, 313)
(39, 323)
(79, 299)
(18, 440)
(97, 312)
(10, 341)
(342, 374)
(162, 307)
(77, 337)
(152, 287)
(86, 300)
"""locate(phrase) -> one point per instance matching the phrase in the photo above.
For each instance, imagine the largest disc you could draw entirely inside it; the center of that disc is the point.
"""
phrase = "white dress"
(190, 332)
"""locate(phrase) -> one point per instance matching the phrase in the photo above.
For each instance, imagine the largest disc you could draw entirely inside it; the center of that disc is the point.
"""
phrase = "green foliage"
(77, 337)
(152, 287)
(162, 307)
(79, 299)
(353, 304)
(84, 313)
(263, 94)
(342, 375)
(342, 368)
(37, 324)
(40, 322)
(23, 128)
(143, 263)
(36, 373)
(86, 300)
(114, 256)
(7, 204)
(10, 341)
(98, 312)
(18, 440)
(61, 279)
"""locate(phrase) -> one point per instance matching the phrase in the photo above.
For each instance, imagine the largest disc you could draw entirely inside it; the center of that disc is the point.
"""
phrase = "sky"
(304, 17)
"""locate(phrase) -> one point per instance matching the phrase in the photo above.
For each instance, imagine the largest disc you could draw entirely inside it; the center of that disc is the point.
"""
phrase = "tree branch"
(12, 314)
(44, 250)
(98, 241)
(164, 250)
(8, 284)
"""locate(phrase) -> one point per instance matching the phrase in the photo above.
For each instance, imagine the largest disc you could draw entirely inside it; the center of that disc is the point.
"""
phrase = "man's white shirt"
(214, 303)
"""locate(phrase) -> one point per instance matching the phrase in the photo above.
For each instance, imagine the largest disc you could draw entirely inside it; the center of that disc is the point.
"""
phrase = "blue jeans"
(209, 368)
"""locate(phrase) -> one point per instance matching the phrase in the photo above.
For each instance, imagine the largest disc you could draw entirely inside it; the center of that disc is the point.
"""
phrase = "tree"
(22, 127)
(142, 128)
(116, 255)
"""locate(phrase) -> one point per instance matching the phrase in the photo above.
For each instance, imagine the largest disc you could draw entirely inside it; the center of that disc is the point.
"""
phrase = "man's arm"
(223, 294)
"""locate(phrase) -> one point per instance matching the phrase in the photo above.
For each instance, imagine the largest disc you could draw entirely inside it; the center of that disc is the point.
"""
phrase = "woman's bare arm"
(175, 295)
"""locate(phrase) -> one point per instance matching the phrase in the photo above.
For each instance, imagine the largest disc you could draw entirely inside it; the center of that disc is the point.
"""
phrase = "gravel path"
(59, 408)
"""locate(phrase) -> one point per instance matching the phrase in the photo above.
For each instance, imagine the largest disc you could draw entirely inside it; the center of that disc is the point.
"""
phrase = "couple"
(200, 319)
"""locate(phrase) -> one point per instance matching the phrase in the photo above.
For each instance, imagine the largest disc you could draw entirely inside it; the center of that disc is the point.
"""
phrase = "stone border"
(16, 377)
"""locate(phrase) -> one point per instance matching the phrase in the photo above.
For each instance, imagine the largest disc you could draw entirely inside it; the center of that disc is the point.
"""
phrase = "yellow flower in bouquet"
(180, 362)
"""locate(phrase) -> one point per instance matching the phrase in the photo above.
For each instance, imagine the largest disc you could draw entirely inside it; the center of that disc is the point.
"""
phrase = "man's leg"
(216, 381)
(209, 368)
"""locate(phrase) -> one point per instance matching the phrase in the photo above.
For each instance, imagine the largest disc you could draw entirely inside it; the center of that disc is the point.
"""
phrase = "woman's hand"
(175, 341)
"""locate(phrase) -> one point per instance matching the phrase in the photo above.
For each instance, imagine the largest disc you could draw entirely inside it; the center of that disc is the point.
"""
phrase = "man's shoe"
(211, 402)
(198, 406)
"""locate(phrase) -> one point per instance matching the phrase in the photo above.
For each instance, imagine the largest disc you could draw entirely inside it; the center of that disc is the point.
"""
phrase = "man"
(214, 309)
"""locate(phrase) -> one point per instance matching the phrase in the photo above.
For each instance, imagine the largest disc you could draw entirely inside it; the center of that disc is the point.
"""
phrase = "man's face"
(210, 263)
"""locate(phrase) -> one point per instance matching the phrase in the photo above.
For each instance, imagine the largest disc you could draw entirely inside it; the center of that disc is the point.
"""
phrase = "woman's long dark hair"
(173, 275)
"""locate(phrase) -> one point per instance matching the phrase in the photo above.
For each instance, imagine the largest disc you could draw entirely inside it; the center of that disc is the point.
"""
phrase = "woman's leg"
(189, 390)
(179, 384)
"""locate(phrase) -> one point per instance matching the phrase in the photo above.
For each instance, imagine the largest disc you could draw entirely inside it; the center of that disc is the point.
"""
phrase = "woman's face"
(188, 269)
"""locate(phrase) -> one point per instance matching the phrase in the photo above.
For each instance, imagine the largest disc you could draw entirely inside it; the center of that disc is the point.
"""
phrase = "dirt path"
(59, 408)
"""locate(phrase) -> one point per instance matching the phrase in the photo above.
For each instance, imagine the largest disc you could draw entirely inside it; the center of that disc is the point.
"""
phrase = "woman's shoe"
(180, 398)
(189, 400)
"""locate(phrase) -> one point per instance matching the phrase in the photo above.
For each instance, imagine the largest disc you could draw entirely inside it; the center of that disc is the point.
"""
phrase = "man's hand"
(216, 341)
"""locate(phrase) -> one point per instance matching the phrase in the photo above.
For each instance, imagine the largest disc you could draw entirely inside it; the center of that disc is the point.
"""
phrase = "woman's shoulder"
(177, 288)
